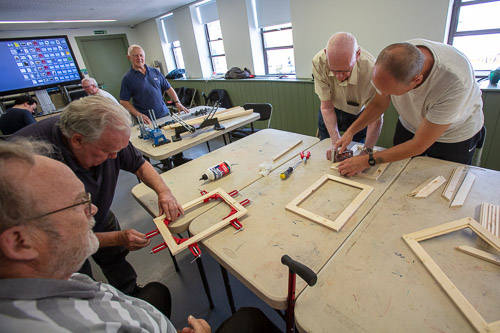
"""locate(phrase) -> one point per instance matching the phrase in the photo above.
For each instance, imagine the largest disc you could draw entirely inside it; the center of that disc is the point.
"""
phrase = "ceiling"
(126, 12)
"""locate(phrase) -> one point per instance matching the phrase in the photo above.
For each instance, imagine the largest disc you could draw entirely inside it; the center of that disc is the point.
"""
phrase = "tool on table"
(304, 157)
(339, 157)
(155, 133)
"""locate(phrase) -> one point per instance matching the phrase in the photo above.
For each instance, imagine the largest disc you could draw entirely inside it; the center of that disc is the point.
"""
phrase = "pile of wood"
(237, 111)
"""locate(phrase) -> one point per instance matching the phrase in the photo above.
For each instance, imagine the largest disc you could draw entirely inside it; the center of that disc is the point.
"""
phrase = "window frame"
(457, 6)
(213, 56)
(174, 55)
(265, 49)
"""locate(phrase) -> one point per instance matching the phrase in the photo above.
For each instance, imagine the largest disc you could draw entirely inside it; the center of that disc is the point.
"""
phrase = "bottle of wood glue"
(217, 171)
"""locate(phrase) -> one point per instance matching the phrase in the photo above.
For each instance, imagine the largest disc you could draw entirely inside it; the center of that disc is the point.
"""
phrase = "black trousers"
(344, 120)
(248, 320)
(111, 260)
(460, 152)
(158, 296)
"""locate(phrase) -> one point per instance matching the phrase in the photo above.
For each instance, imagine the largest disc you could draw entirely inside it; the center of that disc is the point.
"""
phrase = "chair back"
(264, 109)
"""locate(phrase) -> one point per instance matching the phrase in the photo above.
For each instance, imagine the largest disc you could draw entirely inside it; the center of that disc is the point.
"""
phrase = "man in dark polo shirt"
(145, 86)
(18, 116)
(92, 137)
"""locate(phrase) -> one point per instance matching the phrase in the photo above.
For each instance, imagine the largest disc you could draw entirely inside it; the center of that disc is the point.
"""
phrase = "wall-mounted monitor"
(36, 63)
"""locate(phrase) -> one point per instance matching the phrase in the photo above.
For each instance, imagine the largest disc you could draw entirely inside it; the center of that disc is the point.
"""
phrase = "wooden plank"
(453, 182)
(220, 116)
(346, 214)
(427, 187)
(277, 156)
(463, 191)
(479, 254)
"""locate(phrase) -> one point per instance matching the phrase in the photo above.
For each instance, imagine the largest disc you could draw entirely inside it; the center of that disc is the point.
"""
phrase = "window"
(216, 47)
(277, 43)
(177, 51)
(475, 31)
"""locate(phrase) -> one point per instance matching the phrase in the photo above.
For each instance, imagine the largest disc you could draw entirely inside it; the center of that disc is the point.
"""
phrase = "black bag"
(175, 74)
(237, 73)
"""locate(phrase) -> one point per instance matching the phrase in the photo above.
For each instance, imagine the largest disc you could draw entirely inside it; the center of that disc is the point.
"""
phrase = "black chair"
(185, 95)
(264, 109)
(217, 95)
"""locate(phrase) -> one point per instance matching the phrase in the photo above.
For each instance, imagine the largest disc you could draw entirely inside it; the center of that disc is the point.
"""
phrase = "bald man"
(342, 73)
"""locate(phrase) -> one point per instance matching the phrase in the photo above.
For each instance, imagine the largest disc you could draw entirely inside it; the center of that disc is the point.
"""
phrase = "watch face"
(371, 160)
(369, 150)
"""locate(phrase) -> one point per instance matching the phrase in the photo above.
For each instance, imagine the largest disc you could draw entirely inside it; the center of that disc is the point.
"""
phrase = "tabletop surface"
(188, 139)
(254, 254)
(247, 154)
(375, 283)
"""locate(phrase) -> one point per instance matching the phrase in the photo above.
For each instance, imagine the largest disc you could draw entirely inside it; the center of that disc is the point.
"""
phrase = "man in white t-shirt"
(92, 88)
(439, 103)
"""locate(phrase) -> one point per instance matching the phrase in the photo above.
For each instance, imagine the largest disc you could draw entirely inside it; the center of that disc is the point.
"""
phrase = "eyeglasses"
(85, 87)
(87, 201)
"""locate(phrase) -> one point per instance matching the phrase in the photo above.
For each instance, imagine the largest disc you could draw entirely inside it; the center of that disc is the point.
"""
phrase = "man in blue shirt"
(145, 85)
(18, 116)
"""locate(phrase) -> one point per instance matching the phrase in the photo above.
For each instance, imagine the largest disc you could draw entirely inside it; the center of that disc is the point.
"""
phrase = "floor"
(188, 295)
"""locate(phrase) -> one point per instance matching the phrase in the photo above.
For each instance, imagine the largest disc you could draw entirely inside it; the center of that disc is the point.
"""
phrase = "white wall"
(71, 33)
(147, 35)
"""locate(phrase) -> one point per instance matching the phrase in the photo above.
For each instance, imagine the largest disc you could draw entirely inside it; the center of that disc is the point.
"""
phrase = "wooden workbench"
(248, 153)
(188, 139)
(253, 255)
(375, 283)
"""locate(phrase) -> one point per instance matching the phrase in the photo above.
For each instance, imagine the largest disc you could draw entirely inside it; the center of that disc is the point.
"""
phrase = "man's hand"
(343, 142)
(168, 205)
(181, 108)
(132, 239)
(353, 165)
(329, 153)
(197, 326)
(146, 119)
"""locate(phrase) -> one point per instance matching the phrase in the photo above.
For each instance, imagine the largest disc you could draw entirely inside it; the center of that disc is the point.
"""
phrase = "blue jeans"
(344, 120)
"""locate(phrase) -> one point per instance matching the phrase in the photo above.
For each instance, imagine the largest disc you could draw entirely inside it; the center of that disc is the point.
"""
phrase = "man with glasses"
(342, 73)
(91, 87)
(92, 138)
(432, 87)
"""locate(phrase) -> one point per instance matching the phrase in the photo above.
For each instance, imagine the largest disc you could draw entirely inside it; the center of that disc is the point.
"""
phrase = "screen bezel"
(48, 85)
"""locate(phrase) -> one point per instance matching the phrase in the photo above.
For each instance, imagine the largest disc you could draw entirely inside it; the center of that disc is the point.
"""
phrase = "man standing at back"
(342, 73)
(91, 87)
(18, 116)
(146, 85)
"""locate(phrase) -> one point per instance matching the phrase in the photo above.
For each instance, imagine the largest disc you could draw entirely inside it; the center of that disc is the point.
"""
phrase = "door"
(106, 59)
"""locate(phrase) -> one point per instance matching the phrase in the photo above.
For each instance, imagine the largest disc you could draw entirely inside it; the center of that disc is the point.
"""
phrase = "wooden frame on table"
(346, 214)
(167, 235)
(458, 298)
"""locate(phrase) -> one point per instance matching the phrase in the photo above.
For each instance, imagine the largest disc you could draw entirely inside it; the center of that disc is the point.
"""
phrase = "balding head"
(403, 61)
(342, 52)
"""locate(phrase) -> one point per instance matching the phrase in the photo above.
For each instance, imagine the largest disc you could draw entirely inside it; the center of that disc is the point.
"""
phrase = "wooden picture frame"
(346, 214)
(167, 235)
(413, 239)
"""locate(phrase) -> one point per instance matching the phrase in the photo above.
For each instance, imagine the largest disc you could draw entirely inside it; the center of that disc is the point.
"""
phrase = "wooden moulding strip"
(463, 191)
(220, 115)
(456, 175)
(167, 235)
(287, 150)
(489, 217)
(413, 239)
(427, 187)
(346, 214)
(479, 254)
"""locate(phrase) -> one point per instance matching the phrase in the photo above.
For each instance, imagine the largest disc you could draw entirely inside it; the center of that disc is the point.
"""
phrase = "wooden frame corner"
(167, 235)
(413, 239)
(346, 214)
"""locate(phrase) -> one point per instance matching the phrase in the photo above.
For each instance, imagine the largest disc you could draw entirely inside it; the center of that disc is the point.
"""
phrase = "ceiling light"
(59, 21)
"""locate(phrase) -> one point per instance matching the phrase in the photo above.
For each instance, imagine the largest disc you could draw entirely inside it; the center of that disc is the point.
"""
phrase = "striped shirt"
(75, 305)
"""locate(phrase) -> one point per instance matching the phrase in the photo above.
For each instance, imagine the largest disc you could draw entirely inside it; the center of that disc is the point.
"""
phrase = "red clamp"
(151, 234)
(217, 196)
(235, 223)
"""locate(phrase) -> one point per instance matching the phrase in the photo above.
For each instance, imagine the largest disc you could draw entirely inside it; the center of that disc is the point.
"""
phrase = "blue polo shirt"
(146, 90)
(101, 180)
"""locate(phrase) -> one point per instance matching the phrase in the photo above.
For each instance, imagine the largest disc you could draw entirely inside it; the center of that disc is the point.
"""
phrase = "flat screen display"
(34, 63)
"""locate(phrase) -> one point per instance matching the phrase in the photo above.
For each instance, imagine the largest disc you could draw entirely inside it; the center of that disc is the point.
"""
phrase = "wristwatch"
(371, 160)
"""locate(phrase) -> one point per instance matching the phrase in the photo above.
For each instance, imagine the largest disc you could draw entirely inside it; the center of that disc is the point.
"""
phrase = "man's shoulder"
(319, 58)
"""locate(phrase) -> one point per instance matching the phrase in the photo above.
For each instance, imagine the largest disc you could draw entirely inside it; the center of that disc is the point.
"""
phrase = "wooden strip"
(453, 181)
(463, 191)
(224, 116)
(479, 254)
(427, 187)
(286, 150)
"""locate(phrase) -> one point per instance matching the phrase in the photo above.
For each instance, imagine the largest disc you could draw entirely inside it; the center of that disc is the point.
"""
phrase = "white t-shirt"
(106, 94)
(449, 95)
(353, 94)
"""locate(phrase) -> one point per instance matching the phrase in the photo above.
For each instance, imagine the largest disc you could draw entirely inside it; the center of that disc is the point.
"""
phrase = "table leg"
(229, 293)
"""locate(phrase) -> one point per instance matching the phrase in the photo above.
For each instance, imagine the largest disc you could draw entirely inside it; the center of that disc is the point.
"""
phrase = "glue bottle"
(217, 171)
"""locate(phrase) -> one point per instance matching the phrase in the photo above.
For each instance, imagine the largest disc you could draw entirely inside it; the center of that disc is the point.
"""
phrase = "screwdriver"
(304, 156)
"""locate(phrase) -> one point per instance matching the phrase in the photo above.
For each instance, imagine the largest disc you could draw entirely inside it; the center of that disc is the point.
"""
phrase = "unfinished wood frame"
(346, 214)
(463, 191)
(458, 298)
(167, 235)
(456, 178)
(426, 188)
(372, 173)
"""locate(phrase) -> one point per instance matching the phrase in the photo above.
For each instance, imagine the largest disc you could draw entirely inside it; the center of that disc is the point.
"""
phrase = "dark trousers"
(111, 260)
(460, 152)
(344, 120)
(248, 320)
(158, 296)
